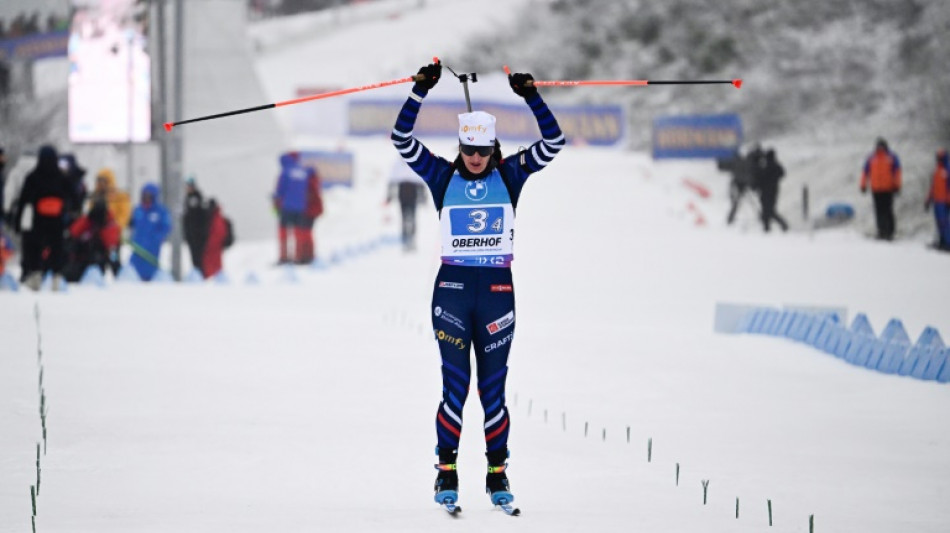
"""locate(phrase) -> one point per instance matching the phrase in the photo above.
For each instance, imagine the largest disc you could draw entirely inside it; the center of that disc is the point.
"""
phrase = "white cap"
(477, 129)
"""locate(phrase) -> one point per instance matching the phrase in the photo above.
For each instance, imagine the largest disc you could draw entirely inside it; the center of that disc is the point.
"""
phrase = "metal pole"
(130, 109)
(175, 177)
(159, 58)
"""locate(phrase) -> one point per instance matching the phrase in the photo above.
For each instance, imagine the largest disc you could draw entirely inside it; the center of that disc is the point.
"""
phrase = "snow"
(308, 402)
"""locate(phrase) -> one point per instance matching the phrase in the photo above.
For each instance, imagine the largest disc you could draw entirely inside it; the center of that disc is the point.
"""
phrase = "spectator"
(219, 237)
(94, 240)
(768, 176)
(118, 201)
(298, 203)
(74, 175)
(150, 226)
(46, 192)
(739, 168)
(3, 184)
(6, 251)
(313, 212)
(882, 171)
(408, 188)
(195, 223)
(939, 197)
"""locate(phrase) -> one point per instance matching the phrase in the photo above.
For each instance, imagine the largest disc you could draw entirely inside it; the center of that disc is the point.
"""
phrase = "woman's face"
(476, 157)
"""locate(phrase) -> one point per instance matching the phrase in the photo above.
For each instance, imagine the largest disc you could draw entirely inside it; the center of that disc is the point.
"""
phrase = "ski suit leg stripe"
(455, 370)
(450, 427)
(491, 379)
(495, 433)
(495, 420)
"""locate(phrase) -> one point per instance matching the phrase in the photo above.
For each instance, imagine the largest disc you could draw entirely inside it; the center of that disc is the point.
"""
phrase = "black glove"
(519, 84)
(430, 75)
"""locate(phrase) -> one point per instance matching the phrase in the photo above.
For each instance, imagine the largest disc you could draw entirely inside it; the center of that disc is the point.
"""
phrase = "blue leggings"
(473, 307)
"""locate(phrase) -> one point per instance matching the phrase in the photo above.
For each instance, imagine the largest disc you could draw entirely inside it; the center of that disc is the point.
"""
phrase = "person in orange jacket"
(882, 171)
(939, 197)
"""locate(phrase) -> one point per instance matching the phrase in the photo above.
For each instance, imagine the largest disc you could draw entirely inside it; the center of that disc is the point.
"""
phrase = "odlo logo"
(450, 339)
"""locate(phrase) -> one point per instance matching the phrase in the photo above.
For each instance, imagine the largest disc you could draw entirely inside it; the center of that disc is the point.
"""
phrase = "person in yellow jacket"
(882, 171)
(117, 202)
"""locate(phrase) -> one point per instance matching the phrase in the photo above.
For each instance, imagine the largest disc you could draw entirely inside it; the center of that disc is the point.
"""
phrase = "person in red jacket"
(939, 197)
(307, 252)
(882, 171)
(94, 240)
(212, 260)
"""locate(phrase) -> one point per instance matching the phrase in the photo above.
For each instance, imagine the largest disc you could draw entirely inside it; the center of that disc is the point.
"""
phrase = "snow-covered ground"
(308, 402)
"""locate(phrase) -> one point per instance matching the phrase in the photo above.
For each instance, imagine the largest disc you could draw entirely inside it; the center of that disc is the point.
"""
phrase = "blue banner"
(334, 168)
(595, 125)
(34, 47)
(697, 136)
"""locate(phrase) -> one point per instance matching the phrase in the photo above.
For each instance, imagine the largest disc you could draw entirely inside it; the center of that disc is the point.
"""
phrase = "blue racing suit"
(473, 303)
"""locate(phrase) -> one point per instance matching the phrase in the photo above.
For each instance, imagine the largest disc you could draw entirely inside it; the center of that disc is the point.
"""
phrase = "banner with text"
(334, 168)
(697, 136)
(595, 125)
(33, 47)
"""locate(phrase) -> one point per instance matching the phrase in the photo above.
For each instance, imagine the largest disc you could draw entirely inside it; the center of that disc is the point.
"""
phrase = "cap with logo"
(477, 129)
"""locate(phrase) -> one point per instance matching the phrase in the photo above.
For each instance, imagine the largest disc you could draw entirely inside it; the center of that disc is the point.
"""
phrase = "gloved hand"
(864, 190)
(431, 74)
(926, 206)
(519, 85)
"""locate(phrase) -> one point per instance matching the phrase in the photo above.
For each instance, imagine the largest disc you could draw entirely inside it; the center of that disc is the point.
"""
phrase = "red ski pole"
(571, 83)
(413, 78)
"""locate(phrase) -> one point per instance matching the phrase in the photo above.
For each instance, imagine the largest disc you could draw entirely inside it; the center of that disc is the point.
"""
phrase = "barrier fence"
(891, 352)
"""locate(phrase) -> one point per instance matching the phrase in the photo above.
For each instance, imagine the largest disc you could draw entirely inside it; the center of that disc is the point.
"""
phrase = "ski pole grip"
(529, 83)
(420, 77)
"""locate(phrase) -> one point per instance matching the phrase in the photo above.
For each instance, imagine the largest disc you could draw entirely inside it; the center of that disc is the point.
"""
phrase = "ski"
(451, 508)
(507, 508)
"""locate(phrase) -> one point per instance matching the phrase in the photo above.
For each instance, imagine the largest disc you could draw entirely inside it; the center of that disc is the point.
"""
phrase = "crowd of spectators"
(25, 24)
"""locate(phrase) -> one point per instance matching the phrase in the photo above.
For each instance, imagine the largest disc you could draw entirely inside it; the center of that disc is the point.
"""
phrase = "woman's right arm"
(419, 158)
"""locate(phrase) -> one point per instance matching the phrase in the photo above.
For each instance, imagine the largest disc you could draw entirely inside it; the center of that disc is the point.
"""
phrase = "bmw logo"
(476, 190)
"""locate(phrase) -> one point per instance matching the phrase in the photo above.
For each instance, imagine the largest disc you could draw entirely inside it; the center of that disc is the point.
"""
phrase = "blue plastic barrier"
(891, 352)
(943, 376)
(929, 345)
(92, 276)
(128, 274)
(8, 283)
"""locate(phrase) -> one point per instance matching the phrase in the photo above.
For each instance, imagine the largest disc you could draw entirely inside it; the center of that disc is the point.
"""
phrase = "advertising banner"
(33, 47)
(697, 136)
(594, 125)
(334, 168)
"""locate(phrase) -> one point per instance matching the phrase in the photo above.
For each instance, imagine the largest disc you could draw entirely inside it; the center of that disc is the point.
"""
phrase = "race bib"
(478, 222)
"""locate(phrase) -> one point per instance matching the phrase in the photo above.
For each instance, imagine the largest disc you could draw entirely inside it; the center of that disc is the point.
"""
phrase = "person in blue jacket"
(292, 200)
(150, 226)
(473, 302)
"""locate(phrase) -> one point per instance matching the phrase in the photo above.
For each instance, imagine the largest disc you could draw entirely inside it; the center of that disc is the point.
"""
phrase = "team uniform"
(473, 302)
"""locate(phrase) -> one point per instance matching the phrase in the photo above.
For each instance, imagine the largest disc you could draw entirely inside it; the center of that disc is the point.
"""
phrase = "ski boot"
(496, 482)
(447, 481)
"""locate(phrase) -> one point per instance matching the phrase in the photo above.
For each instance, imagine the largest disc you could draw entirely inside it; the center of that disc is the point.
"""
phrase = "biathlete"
(473, 302)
